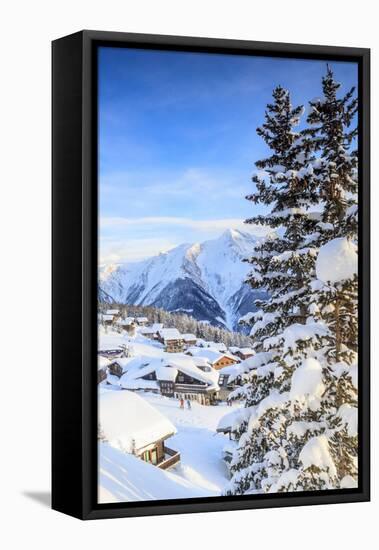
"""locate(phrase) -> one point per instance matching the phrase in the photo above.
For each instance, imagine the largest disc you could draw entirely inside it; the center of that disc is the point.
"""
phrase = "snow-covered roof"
(138, 384)
(168, 374)
(201, 361)
(234, 418)
(112, 379)
(189, 337)
(127, 321)
(166, 368)
(246, 351)
(170, 334)
(187, 365)
(155, 327)
(107, 317)
(102, 362)
(210, 354)
(142, 319)
(122, 361)
(147, 330)
(130, 423)
(112, 312)
(218, 346)
(232, 370)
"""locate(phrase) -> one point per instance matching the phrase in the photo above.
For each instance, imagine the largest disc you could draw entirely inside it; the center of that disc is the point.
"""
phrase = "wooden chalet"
(189, 340)
(117, 367)
(107, 319)
(228, 381)
(171, 339)
(130, 423)
(141, 321)
(242, 353)
(217, 360)
(226, 387)
(224, 361)
(114, 312)
(151, 332)
(102, 369)
(113, 352)
(180, 378)
(128, 325)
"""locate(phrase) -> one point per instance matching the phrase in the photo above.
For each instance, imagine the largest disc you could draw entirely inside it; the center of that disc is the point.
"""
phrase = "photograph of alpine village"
(227, 277)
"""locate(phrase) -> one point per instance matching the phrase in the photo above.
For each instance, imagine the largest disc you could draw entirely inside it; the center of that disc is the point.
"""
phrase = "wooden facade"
(224, 361)
(185, 387)
(129, 329)
(112, 353)
(116, 369)
(225, 386)
(101, 375)
(159, 455)
(244, 354)
(174, 346)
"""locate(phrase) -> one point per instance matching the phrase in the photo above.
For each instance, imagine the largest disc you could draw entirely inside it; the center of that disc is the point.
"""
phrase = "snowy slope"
(206, 280)
(124, 478)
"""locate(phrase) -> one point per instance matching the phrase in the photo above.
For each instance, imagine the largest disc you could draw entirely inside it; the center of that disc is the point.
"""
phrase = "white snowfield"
(201, 471)
(126, 478)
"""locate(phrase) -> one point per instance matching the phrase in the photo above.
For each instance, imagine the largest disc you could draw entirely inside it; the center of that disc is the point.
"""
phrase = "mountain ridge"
(206, 279)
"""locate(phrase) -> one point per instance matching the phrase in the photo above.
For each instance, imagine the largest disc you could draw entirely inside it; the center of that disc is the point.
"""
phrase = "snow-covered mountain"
(205, 280)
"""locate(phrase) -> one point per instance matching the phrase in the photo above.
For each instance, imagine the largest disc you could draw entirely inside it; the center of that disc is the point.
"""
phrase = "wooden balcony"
(171, 458)
(190, 388)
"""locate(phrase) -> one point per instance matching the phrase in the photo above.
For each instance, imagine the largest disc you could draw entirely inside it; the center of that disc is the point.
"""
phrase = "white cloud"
(132, 250)
(216, 225)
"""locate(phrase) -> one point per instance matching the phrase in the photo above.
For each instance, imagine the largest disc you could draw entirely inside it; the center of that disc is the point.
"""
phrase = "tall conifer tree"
(299, 432)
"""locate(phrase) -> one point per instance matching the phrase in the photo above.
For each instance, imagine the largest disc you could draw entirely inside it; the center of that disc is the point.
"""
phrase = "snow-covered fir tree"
(300, 390)
(284, 267)
(335, 293)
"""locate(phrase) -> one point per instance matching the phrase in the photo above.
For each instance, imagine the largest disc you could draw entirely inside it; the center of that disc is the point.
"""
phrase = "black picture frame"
(74, 272)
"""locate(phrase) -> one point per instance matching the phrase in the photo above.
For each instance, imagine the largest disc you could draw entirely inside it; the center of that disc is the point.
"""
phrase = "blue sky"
(177, 142)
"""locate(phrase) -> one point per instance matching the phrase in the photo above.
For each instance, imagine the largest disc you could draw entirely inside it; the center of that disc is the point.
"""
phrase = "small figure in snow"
(181, 403)
(188, 404)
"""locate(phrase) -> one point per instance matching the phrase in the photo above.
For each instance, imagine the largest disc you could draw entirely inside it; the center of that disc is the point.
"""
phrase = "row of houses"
(189, 368)
(113, 317)
(171, 338)
(188, 376)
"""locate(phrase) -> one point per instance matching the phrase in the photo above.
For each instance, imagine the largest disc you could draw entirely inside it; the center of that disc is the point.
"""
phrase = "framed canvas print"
(210, 274)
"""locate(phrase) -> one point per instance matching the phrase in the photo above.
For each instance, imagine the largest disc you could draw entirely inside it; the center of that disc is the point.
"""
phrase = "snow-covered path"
(199, 445)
